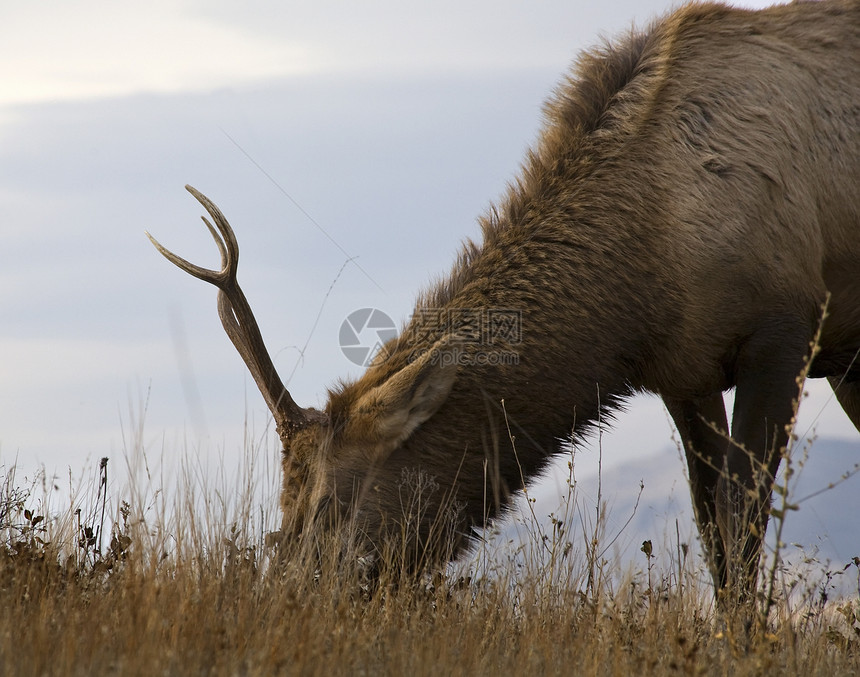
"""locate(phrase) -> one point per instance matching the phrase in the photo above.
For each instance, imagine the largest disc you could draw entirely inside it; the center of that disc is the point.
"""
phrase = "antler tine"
(238, 320)
(227, 243)
(228, 247)
(215, 277)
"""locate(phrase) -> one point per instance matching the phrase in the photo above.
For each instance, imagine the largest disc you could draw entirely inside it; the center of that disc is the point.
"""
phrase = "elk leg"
(767, 389)
(848, 394)
(703, 428)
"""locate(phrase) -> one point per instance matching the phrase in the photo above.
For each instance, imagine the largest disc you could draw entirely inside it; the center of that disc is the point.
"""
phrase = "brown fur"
(690, 203)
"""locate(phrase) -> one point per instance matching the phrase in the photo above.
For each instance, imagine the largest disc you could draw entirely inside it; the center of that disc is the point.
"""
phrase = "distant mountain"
(826, 526)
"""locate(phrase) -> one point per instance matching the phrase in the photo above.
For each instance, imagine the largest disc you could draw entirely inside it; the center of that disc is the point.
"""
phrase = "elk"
(689, 208)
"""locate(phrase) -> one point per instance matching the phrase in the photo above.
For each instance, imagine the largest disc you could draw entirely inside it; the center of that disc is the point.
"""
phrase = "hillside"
(824, 527)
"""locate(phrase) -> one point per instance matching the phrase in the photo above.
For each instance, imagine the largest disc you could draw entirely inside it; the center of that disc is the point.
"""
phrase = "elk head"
(333, 458)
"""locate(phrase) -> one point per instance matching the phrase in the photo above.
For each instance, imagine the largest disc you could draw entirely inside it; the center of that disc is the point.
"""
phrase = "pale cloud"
(52, 51)
(57, 51)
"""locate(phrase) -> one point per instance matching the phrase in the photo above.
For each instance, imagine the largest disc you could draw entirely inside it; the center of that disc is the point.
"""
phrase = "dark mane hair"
(580, 107)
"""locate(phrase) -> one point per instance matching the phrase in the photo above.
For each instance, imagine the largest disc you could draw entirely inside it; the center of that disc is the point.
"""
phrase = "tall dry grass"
(183, 579)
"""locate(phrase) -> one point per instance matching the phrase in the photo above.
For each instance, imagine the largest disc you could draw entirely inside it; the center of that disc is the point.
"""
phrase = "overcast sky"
(325, 130)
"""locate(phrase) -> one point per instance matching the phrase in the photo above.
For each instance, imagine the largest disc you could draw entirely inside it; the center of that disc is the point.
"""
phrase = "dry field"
(186, 581)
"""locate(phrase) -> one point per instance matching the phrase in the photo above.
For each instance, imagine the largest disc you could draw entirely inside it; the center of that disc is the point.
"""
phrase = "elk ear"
(392, 411)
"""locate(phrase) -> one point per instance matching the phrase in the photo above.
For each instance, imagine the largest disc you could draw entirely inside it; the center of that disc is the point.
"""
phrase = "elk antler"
(238, 320)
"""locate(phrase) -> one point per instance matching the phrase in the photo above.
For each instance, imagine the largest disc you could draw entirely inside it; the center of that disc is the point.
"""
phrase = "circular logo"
(363, 334)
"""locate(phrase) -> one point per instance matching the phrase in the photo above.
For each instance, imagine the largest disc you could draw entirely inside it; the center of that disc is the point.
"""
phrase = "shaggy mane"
(580, 106)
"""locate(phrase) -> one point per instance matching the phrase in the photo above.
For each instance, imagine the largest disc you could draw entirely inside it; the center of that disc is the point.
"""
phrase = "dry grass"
(183, 581)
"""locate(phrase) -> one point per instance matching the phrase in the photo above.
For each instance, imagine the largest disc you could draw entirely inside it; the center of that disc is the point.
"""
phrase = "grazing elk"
(690, 207)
